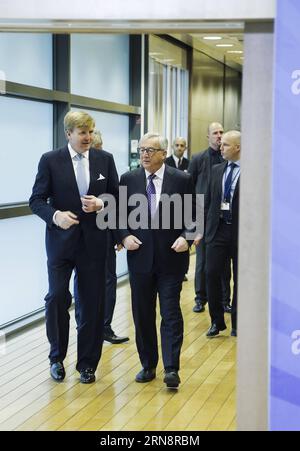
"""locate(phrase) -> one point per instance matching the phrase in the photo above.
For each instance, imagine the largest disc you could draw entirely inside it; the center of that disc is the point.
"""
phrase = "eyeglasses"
(148, 150)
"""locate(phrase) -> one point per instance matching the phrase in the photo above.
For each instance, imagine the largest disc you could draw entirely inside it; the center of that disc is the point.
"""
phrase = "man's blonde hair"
(79, 119)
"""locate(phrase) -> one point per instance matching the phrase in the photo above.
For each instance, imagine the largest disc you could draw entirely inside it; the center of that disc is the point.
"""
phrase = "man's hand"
(131, 243)
(66, 219)
(197, 239)
(91, 203)
(180, 245)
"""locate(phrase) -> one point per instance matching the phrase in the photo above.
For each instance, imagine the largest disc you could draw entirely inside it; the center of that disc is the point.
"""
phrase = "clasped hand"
(132, 243)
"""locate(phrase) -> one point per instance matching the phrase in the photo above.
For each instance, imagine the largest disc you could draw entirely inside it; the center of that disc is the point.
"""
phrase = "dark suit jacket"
(55, 188)
(171, 162)
(200, 170)
(156, 252)
(213, 203)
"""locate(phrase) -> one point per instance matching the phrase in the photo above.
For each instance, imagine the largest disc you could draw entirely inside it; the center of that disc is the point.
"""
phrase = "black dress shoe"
(57, 371)
(199, 307)
(111, 337)
(171, 379)
(215, 330)
(87, 376)
(146, 375)
(233, 333)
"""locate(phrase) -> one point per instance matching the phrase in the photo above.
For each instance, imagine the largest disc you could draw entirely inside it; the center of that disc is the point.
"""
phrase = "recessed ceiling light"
(212, 38)
(235, 51)
(224, 45)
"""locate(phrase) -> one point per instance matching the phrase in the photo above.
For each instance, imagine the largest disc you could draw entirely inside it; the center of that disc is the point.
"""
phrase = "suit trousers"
(110, 287)
(200, 276)
(218, 251)
(144, 289)
(90, 316)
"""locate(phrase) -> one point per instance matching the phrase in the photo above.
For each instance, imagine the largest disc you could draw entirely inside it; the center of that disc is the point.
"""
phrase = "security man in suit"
(64, 195)
(200, 169)
(177, 160)
(221, 230)
(157, 258)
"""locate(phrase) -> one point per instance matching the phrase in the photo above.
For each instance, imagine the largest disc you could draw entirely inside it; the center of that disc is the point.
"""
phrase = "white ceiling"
(230, 55)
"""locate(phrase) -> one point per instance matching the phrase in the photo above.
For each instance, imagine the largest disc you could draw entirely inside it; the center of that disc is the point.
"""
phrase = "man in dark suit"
(157, 258)
(200, 169)
(65, 196)
(111, 275)
(177, 160)
(221, 230)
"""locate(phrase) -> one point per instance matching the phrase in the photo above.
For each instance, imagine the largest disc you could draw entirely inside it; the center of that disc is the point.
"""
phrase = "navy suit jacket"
(213, 204)
(184, 164)
(55, 188)
(155, 251)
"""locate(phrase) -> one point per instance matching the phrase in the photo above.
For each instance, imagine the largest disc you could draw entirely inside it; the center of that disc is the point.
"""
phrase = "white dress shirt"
(235, 177)
(158, 181)
(86, 163)
(176, 159)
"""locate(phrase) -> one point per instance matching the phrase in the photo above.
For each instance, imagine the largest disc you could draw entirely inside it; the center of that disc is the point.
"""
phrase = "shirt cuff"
(54, 218)
(99, 204)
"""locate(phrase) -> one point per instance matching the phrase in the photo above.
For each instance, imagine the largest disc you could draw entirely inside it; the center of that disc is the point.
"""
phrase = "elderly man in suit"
(65, 196)
(177, 160)
(157, 259)
(221, 230)
(200, 168)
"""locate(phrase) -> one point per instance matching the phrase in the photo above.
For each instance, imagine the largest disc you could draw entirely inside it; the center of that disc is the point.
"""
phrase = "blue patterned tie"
(227, 214)
(81, 175)
(151, 194)
(228, 182)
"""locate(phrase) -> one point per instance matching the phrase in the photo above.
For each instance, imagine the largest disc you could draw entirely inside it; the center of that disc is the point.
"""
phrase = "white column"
(254, 243)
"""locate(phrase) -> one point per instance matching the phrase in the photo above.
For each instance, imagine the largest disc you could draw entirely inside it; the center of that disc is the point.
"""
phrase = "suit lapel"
(67, 169)
(167, 182)
(94, 166)
(141, 181)
(237, 189)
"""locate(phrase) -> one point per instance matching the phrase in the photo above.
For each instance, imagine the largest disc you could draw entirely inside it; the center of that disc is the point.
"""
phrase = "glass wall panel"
(26, 129)
(23, 275)
(168, 90)
(27, 58)
(100, 66)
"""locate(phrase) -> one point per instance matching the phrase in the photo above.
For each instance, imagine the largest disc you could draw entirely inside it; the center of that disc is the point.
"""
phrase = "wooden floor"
(30, 400)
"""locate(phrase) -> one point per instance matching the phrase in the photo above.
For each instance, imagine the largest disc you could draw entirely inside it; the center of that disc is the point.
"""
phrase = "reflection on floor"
(30, 400)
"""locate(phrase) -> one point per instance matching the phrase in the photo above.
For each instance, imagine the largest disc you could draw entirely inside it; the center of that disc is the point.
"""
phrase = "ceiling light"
(224, 45)
(212, 38)
(235, 51)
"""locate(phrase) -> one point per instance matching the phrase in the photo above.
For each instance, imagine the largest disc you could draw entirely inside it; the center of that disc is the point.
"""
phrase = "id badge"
(225, 206)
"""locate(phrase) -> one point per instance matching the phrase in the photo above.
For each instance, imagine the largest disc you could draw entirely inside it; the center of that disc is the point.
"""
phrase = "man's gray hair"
(162, 141)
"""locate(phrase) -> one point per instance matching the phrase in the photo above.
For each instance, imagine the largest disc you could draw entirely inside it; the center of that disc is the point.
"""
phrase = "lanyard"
(229, 187)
